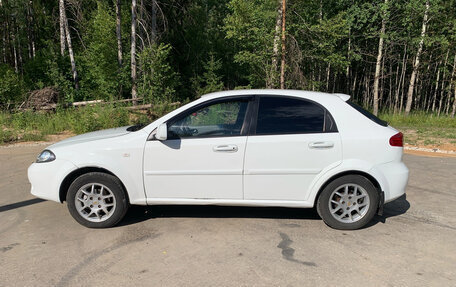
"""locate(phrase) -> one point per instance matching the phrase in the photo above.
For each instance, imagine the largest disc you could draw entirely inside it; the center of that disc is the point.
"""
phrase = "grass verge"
(428, 130)
(36, 126)
(420, 129)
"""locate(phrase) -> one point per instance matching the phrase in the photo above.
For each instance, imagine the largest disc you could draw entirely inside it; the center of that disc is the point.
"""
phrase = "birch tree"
(153, 25)
(416, 63)
(454, 91)
(30, 35)
(379, 57)
(119, 33)
(133, 51)
(282, 65)
(74, 71)
(271, 83)
(62, 26)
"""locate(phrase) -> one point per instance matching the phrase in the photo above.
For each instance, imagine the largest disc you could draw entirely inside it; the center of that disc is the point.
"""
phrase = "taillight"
(397, 140)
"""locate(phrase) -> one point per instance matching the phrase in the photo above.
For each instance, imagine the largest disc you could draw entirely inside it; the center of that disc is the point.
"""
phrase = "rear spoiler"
(343, 97)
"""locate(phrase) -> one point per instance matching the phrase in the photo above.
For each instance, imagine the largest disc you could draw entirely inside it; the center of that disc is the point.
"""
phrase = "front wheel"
(97, 200)
(348, 202)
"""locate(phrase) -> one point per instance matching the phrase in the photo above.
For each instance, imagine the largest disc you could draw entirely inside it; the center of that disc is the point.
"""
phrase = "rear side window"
(280, 115)
(369, 115)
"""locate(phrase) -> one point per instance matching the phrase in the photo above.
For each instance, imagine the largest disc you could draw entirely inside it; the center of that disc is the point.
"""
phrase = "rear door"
(292, 142)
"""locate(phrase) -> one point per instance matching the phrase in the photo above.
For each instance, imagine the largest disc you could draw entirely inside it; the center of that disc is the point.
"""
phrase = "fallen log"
(150, 106)
(53, 106)
(85, 103)
(140, 107)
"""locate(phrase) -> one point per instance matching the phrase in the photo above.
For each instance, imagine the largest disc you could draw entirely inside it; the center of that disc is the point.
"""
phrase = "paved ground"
(414, 244)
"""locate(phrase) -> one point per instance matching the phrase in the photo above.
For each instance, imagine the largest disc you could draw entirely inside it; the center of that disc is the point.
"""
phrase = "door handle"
(226, 148)
(321, 145)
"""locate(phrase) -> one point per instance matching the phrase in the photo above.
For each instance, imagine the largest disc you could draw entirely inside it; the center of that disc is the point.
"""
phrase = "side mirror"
(162, 132)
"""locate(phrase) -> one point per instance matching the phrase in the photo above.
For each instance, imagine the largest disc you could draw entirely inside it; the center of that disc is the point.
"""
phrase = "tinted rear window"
(368, 114)
(278, 115)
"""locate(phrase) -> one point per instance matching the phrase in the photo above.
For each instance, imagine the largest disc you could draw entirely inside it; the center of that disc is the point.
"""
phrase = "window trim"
(245, 124)
(253, 126)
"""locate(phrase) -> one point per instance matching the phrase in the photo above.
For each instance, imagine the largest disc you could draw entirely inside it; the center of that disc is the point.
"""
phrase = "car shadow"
(138, 214)
(391, 209)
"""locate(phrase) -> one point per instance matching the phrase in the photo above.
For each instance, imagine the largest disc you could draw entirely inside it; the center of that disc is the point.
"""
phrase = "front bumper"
(46, 178)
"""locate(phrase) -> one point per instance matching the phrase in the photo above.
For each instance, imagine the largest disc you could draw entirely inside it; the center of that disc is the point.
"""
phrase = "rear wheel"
(97, 200)
(348, 202)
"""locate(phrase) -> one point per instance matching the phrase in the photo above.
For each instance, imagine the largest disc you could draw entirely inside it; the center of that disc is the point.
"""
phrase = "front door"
(203, 156)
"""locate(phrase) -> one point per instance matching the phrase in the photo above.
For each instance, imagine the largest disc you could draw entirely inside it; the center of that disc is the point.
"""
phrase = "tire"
(349, 202)
(97, 200)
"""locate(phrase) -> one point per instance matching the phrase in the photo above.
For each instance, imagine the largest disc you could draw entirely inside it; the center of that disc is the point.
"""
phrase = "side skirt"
(227, 202)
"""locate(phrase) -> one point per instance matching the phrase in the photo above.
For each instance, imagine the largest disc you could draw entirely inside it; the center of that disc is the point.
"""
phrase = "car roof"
(275, 92)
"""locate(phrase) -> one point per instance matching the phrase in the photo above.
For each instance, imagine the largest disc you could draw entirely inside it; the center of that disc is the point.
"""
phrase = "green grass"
(32, 126)
(419, 120)
(422, 128)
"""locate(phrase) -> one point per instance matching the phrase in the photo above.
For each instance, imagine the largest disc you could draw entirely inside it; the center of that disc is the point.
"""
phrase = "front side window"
(215, 120)
(280, 115)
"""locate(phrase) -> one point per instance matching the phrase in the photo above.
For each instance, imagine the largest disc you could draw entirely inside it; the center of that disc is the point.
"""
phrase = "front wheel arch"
(68, 180)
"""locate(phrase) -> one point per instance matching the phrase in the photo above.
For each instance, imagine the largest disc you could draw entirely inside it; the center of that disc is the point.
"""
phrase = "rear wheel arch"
(372, 179)
(68, 180)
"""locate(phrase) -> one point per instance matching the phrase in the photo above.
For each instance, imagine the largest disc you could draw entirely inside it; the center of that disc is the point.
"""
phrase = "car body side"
(365, 151)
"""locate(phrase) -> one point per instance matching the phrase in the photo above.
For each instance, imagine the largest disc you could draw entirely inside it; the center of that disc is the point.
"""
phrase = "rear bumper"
(393, 178)
(46, 178)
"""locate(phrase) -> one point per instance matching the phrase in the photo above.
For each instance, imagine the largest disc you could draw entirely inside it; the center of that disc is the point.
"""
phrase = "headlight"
(45, 156)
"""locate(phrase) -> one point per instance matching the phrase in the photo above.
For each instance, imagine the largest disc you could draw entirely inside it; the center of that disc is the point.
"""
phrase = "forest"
(396, 56)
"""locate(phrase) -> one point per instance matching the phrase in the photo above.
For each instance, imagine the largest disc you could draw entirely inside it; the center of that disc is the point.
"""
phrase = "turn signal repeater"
(397, 140)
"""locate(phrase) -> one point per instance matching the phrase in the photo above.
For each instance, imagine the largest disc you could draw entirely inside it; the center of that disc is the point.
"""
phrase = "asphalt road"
(413, 244)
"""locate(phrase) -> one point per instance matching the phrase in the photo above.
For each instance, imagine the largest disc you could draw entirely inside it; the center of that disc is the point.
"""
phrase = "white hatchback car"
(245, 148)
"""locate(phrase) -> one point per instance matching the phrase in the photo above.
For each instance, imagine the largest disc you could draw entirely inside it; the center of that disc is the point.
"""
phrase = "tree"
(250, 25)
(153, 26)
(64, 19)
(30, 32)
(454, 91)
(10, 85)
(271, 82)
(379, 57)
(396, 57)
(101, 73)
(282, 65)
(211, 80)
(62, 26)
(133, 51)
(158, 80)
(416, 63)
(119, 33)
